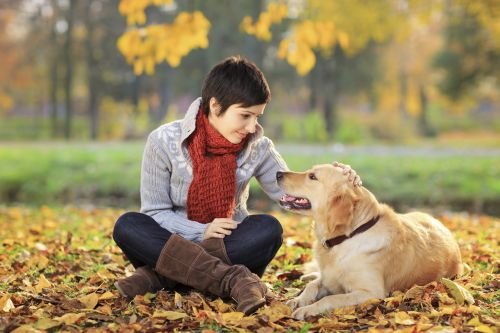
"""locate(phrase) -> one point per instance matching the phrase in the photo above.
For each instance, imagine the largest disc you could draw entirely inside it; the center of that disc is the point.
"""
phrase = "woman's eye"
(312, 176)
(246, 116)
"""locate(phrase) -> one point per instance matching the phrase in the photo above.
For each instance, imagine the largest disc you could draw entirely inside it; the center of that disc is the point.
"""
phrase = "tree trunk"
(53, 75)
(164, 92)
(92, 74)
(68, 61)
(328, 85)
(423, 122)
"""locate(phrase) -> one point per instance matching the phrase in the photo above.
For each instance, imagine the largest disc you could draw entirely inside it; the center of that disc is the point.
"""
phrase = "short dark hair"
(235, 80)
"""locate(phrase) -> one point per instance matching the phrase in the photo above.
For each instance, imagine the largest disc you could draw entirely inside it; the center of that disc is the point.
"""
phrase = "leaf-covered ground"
(57, 268)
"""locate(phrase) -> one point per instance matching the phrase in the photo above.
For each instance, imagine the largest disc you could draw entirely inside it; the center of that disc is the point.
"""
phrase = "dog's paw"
(293, 303)
(310, 277)
(304, 312)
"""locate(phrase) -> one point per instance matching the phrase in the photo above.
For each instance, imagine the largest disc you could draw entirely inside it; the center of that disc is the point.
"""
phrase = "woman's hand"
(219, 228)
(353, 176)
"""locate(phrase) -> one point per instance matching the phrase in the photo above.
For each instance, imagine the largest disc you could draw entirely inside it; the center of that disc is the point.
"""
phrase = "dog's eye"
(312, 176)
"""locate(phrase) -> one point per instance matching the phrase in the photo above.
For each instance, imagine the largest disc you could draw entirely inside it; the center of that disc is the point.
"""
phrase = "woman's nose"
(250, 128)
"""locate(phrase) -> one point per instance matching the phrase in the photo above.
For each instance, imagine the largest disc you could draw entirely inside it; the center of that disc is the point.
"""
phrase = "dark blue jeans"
(253, 243)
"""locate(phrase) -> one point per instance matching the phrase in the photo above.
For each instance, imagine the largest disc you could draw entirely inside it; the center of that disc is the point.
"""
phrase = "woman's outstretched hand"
(219, 228)
(353, 176)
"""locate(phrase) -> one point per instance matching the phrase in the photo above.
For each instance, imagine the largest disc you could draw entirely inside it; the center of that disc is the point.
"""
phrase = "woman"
(194, 227)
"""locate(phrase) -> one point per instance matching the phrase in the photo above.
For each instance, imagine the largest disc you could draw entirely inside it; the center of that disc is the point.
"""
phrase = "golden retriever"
(364, 249)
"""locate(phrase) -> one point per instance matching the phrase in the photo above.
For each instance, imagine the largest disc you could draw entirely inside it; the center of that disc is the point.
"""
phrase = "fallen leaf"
(442, 329)
(25, 329)
(403, 318)
(6, 303)
(276, 311)
(177, 300)
(70, 318)
(169, 315)
(90, 300)
(459, 293)
(232, 318)
(105, 309)
(220, 306)
(42, 283)
(107, 295)
(46, 324)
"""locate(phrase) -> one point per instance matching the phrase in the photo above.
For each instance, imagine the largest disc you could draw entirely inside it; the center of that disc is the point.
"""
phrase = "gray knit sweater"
(167, 173)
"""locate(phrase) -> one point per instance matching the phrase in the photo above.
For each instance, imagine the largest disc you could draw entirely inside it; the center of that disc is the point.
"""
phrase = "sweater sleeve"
(272, 162)
(155, 193)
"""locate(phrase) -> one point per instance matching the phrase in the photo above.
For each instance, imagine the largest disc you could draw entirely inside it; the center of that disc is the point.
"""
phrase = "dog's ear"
(341, 210)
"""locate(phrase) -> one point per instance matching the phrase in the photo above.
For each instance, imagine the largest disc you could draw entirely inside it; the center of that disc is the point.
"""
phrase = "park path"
(383, 150)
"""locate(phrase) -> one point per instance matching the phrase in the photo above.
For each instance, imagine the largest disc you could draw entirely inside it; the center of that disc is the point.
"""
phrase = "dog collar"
(329, 243)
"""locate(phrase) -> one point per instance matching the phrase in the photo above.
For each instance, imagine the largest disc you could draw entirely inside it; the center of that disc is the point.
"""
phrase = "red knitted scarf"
(212, 192)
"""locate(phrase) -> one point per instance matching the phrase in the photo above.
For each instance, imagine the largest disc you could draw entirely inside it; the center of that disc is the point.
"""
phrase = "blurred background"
(406, 91)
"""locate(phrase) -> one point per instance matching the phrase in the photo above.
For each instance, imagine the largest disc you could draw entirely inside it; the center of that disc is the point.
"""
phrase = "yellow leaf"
(442, 329)
(105, 274)
(8, 241)
(70, 318)
(39, 261)
(46, 324)
(42, 283)
(479, 326)
(178, 300)
(459, 293)
(25, 329)
(403, 318)
(276, 311)
(106, 309)
(484, 329)
(169, 315)
(220, 306)
(107, 295)
(232, 318)
(6, 303)
(90, 300)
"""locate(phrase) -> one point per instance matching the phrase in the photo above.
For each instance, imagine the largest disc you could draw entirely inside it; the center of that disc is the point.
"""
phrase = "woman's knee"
(271, 228)
(123, 227)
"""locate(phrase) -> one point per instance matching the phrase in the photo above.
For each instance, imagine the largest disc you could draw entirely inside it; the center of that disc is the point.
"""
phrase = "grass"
(108, 174)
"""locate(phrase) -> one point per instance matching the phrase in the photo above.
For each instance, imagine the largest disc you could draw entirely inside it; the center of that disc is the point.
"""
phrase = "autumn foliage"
(145, 46)
(57, 268)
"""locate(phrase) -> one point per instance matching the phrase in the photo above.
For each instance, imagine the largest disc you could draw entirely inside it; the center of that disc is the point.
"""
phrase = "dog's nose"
(279, 175)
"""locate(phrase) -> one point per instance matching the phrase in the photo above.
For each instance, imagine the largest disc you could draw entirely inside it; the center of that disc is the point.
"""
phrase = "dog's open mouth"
(291, 202)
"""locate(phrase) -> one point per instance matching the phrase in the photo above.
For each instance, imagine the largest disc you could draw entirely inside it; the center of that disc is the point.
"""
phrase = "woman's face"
(237, 122)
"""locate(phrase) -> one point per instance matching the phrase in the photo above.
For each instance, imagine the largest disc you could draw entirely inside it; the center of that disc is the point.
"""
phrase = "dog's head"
(323, 192)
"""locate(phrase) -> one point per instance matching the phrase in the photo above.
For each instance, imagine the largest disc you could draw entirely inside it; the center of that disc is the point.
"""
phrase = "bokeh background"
(406, 91)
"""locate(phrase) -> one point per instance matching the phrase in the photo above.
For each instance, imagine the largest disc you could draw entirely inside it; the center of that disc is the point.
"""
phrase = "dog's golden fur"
(400, 250)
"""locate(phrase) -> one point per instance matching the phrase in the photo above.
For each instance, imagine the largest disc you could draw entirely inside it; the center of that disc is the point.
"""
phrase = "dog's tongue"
(288, 198)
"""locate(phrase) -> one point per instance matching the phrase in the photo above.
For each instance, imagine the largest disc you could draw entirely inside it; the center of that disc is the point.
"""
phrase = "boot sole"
(254, 307)
(120, 290)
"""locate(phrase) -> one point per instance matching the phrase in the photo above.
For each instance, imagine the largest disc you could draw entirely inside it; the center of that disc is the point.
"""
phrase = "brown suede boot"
(216, 248)
(146, 280)
(188, 263)
(143, 280)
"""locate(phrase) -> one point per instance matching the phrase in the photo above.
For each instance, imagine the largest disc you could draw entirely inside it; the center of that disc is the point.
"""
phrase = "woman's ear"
(214, 106)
